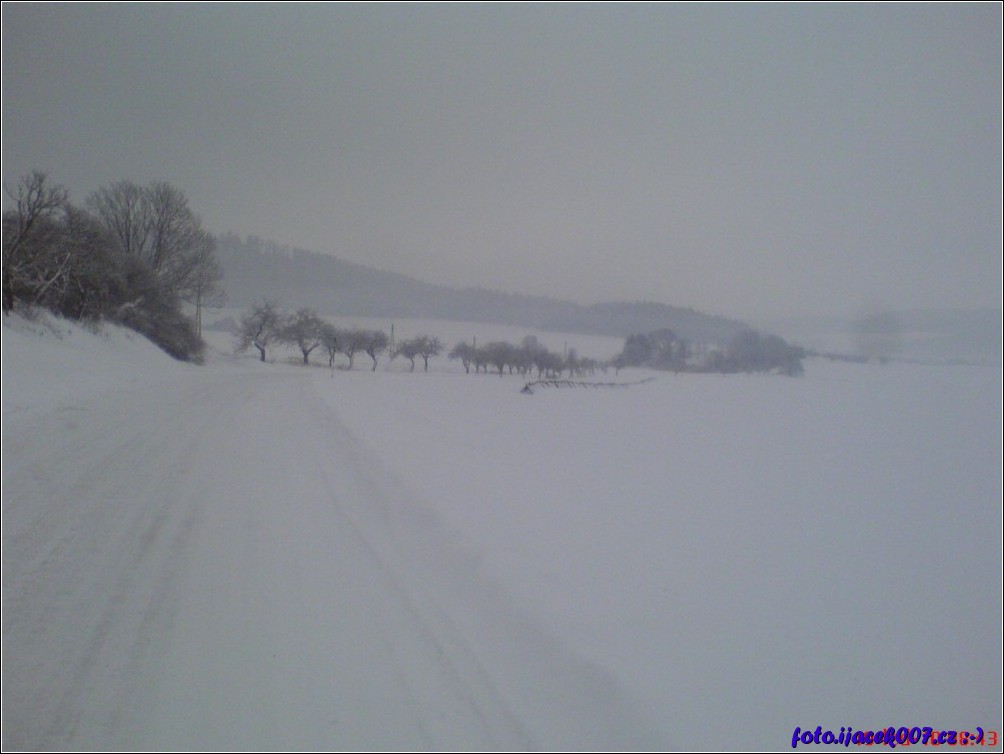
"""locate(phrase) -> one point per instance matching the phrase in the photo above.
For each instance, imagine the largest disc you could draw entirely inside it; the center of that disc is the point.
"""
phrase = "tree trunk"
(261, 350)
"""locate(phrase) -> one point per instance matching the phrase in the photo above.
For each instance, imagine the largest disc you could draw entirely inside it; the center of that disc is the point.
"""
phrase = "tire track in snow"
(89, 580)
(554, 699)
(364, 669)
(426, 637)
(218, 563)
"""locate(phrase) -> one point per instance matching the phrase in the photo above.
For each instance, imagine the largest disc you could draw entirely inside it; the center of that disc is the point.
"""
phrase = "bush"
(157, 315)
(59, 257)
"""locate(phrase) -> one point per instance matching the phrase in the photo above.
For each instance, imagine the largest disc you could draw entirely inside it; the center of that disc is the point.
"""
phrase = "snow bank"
(49, 361)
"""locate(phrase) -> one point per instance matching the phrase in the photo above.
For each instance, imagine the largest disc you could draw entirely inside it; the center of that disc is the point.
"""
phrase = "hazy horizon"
(752, 161)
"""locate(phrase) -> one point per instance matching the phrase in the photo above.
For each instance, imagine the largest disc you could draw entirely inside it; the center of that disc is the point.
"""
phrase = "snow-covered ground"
(256, 556)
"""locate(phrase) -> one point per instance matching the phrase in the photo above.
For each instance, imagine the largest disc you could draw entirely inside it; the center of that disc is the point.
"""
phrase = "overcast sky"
(750, 160)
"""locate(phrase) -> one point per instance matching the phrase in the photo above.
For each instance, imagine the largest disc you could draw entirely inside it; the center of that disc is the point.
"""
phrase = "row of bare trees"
(132, 254)
(264, 324)
(523, 359)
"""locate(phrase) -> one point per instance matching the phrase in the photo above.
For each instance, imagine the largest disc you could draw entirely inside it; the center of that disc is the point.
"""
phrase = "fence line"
(528, 388)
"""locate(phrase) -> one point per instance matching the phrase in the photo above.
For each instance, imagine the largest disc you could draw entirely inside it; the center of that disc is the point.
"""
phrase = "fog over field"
(751, 161)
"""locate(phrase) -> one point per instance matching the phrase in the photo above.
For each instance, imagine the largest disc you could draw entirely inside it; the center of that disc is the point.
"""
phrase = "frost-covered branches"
(30, 239)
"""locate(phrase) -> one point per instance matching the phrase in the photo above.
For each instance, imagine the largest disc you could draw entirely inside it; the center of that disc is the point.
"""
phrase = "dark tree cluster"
(660, 349)
(747, 351)
(524, 359)
(132, 256)
(751, 351)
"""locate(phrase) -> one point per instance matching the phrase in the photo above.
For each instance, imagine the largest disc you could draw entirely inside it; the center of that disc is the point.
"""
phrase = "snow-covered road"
(213, 561)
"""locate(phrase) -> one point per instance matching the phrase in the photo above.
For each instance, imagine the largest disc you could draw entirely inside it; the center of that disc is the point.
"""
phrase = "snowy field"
(257, 556)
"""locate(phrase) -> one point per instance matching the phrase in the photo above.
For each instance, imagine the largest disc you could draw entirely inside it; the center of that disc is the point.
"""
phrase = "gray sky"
(750, 160)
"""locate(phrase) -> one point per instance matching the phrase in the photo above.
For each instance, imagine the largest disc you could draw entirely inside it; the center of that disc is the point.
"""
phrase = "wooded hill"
(254, 269)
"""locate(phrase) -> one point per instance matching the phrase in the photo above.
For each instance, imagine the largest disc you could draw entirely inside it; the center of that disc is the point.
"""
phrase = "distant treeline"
(335, 287)
(747, 351)
(264, 324)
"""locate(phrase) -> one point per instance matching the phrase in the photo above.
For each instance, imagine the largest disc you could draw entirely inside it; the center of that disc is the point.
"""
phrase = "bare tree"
(37, 202)
(376, 342)
(465, 352)
(124, 210)
(352, 342)
(156, 224)
(499, 354)
(572, 362)
(205, 289)
(429, 347)
(304, 330)
(330, 338)
(410, 349)
(547, 363)
(178, 242)
(66, 259)
(95, 281)
(522, 360)
(259, 327)
(480, 358)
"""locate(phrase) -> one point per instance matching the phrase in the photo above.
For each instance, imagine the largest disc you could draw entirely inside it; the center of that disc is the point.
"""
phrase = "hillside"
(255, 269)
